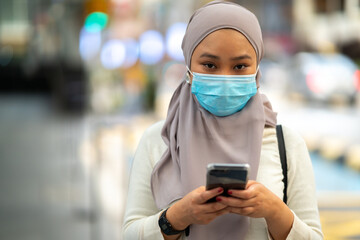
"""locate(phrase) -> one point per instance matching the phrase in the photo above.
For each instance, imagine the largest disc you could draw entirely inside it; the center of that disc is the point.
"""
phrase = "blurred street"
(44, 191)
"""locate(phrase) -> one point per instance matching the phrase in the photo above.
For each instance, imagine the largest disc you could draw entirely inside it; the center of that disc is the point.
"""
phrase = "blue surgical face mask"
(223, 95)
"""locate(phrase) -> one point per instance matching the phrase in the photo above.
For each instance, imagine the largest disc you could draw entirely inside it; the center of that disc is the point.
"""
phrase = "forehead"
(225, 42)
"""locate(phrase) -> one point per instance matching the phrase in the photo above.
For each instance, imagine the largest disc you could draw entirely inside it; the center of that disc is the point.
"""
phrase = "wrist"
(275, 212)
(176, 217)
(279, 220)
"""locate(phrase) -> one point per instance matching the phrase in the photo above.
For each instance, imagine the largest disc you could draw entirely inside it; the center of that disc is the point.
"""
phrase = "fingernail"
(230, 192)
(218, 199)
(220, 190)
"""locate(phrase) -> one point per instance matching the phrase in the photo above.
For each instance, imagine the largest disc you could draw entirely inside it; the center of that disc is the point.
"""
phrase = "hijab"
(195, 138)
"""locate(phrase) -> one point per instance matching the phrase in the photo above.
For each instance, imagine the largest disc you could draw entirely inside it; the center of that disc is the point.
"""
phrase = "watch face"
(164, 227)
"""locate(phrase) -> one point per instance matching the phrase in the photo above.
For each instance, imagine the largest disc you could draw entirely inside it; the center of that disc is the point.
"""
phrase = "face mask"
(223, 95)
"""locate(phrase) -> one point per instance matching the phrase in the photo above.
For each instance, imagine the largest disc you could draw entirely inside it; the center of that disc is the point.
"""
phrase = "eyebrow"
(245, 56)
(208, 55)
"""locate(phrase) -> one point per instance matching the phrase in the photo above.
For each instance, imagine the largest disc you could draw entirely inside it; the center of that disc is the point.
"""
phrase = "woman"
(217, 115)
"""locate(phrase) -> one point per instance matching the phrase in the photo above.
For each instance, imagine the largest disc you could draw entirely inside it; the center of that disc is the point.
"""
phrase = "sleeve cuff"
(269, 237)
(151, 227)
(299, 230)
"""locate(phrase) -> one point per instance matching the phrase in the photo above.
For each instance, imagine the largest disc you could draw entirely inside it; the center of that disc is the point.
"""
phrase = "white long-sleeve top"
(141, 214)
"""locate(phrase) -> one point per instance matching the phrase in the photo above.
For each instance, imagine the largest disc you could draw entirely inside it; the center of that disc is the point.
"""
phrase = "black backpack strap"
(282, 152)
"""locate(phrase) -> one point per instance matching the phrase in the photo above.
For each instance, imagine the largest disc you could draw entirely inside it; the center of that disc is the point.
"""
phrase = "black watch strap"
(165, 225)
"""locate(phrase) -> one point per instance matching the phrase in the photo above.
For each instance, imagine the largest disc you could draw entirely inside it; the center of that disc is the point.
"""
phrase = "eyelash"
(213, 66)
(242, 66)
(209, 65)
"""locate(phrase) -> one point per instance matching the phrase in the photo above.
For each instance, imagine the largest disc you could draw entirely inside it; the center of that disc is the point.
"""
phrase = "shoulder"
(297, 153)
(154, 131)
(292, 138)
(152, 135)
(295, 146)
(151, 144)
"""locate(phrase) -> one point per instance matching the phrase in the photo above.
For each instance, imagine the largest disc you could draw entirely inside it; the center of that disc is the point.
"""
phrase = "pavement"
(44, 191)
(338, 194)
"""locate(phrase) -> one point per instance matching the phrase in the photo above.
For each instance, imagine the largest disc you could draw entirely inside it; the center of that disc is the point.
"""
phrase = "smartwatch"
(165, 225)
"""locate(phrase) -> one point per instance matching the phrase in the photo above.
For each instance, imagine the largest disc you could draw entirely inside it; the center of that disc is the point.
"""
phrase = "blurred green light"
(96, 21)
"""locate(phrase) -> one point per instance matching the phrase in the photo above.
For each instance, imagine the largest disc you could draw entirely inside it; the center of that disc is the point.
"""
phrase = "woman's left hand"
(259, 202)
(255, 201)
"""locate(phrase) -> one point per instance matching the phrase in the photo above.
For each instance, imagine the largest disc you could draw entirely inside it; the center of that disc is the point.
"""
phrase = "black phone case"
(227, 178)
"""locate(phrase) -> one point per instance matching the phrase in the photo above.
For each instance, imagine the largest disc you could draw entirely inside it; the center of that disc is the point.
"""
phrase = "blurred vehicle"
(324, 77)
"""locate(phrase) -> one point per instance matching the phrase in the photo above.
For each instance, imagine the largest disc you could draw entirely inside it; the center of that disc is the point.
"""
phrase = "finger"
(222, 212)
(206, 195)
(209, 217)
(245, 211)
(213, 207)
(252, 190)
(218, 213)
(235, 202)
(250, 183)
(243, 194)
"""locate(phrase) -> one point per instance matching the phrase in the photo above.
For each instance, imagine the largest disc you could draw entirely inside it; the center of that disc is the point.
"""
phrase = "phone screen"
(227, 176)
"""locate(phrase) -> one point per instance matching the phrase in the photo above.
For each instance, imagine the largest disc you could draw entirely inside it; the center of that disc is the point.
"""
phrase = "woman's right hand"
(193, 209)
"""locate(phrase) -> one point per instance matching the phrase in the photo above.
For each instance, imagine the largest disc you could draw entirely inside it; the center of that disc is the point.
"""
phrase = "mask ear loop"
(188, 75)
(256, 76)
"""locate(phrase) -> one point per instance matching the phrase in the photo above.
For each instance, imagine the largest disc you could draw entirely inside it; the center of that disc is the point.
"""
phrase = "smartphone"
(227, 176)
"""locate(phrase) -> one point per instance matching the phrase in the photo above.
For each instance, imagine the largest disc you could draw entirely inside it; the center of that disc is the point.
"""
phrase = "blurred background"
(80, 80)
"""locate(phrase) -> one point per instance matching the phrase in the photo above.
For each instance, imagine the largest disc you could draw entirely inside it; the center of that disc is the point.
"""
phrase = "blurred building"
(276, 20)
(37, 50)
(308, 25)
(328, 25)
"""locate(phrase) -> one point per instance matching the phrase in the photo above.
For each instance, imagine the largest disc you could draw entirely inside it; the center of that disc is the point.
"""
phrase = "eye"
(239, 67)
(209, 65)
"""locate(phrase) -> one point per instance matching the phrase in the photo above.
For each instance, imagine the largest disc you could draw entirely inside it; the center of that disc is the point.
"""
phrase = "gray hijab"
(195, 137)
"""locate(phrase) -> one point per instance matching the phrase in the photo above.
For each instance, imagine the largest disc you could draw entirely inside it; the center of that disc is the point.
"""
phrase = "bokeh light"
(357, 80)
(96, 21)
(151, 47)
(131, 52)
(89, 44)
(174, 38)
(113, 54)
